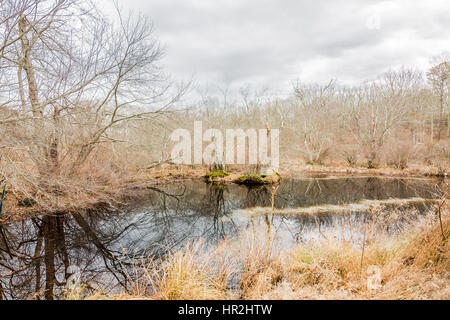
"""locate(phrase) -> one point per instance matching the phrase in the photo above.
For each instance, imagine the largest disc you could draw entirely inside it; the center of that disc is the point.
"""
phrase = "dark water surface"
(37, 256)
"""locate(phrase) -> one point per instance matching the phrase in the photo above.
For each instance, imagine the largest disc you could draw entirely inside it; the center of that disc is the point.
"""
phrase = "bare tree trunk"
(37, 258)
(49, 255)
(432, 128)
(47, 152)
(448, 123)
(441, 112)
(28, 67)
(53, 153)
(372, 154)
(21, 91)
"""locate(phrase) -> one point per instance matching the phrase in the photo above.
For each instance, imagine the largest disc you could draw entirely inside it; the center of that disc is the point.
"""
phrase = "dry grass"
(361, 206)
(414, 268)
(293, 167)
(414, 265)
(192, 272)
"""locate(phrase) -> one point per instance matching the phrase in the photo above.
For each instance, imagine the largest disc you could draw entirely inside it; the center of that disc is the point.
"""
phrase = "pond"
(39, 254)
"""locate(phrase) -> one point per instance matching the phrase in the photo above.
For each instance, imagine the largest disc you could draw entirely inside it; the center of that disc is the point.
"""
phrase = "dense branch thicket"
(400, 118)
(69, 78)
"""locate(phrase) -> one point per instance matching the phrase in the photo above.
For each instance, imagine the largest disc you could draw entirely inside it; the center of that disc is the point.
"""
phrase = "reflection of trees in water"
(201, 215)
(255, 196)
(35, 254)
(42, 249)
(269, 216)
(302, 193)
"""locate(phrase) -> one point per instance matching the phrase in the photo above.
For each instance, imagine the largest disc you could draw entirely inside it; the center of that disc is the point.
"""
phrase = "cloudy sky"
(273, 42)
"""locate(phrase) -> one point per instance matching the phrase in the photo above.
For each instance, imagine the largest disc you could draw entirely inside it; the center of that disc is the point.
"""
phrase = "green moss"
(211, 176)
(304, 257)
(218, 186)
(256, 179)
(372, 165)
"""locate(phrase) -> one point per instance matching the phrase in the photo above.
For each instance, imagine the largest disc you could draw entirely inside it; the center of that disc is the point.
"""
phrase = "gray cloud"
(272, 42)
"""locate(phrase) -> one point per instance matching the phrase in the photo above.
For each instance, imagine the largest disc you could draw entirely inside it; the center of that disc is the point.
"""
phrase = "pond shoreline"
(304, 223)
(131, 192)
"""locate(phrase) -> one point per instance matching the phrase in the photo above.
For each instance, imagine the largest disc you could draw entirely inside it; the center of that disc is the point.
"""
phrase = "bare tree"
(380, 106)
(315, 107)
(439, 78)
(71, 77)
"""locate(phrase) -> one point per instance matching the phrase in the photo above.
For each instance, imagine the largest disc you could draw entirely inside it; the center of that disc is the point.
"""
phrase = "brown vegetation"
(86, 111)
(415, 265)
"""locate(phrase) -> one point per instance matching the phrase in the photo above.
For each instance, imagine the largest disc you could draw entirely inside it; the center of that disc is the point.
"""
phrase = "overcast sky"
(273, 42)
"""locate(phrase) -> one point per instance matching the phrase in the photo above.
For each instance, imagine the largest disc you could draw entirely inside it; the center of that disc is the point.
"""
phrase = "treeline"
(400, 118)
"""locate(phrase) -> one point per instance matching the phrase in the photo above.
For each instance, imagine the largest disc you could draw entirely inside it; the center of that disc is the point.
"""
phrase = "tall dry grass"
(412, 265)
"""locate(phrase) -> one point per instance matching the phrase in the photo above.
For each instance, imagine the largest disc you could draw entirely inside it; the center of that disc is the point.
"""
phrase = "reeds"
(414, 265)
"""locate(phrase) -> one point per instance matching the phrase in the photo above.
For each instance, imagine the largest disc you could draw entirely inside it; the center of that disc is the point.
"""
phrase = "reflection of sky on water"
(38, 252)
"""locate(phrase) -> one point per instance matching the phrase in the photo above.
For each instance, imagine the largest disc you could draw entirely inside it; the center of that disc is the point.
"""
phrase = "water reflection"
(36, 255)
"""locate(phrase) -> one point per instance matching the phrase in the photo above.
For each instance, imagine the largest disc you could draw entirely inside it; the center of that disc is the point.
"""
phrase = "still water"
(39, 254)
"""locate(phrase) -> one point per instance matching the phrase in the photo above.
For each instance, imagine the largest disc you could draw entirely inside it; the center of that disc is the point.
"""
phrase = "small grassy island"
(214, 176)
(257, 179)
